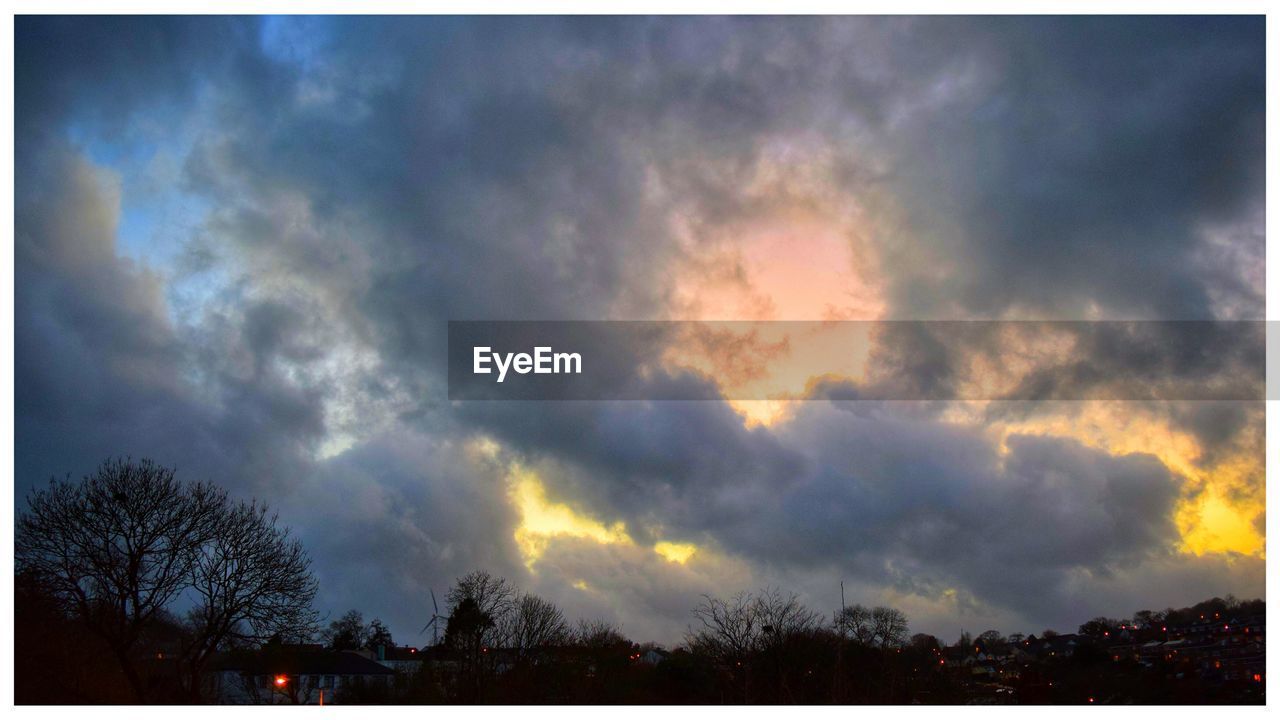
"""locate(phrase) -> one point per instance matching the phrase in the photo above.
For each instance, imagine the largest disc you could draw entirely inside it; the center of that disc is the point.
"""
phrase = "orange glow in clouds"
(799, 263)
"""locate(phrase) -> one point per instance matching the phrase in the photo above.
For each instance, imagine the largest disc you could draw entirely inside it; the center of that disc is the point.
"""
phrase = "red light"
(281, 680)
(1090, 700)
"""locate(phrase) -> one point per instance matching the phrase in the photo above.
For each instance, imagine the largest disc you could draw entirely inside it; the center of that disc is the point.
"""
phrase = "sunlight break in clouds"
(239, 241)
(542, 521)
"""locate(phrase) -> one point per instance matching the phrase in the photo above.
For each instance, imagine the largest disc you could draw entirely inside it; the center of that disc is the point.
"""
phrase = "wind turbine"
(436, 617)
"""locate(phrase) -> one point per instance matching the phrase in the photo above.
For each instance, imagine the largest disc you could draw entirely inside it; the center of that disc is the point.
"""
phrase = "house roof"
(402, 654)
(273, 661)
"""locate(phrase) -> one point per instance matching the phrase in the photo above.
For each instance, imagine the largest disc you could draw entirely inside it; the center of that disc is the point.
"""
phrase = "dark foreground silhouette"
(103, 563)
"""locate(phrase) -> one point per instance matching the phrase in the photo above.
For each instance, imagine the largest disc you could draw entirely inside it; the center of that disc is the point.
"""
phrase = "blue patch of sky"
(158, 217)
(299, 41)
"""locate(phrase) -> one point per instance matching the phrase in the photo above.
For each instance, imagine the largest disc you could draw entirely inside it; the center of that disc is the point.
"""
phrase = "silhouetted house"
(651, 656)
(404, 659)
(1126, 651)
(290, 675)
(1062, 646)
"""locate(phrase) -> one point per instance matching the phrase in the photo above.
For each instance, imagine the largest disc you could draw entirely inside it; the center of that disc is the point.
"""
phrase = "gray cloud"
(362, 181)
(1079, 165)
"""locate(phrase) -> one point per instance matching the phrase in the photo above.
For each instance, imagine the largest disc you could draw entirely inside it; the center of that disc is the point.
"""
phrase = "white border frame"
(616, 7)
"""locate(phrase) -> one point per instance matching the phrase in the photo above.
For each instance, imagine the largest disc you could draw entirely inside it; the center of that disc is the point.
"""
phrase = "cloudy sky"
(239, 241)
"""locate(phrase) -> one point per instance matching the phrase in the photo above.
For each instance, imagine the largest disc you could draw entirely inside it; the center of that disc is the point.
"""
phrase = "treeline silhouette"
(129, 584)
(102, 564)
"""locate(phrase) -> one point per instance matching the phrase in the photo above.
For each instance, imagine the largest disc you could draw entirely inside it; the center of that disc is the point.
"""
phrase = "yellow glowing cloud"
(1216, 513)
(676, 552)
(1212, 523)
(803, 252)
(763, 413)
(543, 520)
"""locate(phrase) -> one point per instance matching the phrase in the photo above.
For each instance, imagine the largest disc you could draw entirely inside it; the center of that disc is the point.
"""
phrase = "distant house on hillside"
(1063, 646)
(651, 656)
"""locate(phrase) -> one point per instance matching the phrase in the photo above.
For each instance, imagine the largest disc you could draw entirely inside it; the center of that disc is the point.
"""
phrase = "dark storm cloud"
(1082, 162)
(103, 369)
(885, 494)
(679, 464)
(498, 169)
(369, 179)
(1011, 530)
(108, 68)
(101, 366)
(399, 517)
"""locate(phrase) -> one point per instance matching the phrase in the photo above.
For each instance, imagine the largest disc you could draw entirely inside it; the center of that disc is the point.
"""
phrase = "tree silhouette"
(989, 640)
(599, 634)
(347, 632)
(493, 596)
(533, 623)
(252, 582)
(465, 634)
(118, 547)
(889, 627)
(378, 635)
